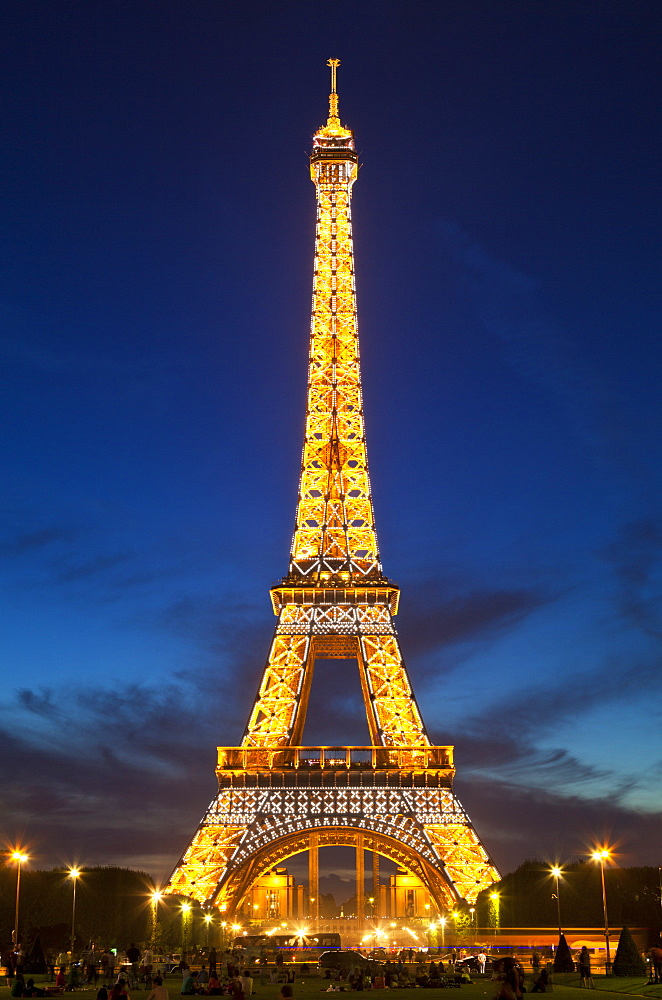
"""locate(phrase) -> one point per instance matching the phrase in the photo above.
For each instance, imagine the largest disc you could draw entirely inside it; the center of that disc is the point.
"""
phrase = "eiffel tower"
(277, 798)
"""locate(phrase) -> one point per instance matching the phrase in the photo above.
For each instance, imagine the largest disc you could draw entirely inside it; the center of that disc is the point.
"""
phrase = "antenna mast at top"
(333, 63)
(333, 96)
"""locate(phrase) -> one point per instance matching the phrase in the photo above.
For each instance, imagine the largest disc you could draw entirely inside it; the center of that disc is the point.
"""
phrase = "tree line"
(526, 897)
(113, 908)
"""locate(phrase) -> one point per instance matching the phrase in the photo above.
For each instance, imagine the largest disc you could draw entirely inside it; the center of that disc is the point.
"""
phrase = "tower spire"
(333, 119)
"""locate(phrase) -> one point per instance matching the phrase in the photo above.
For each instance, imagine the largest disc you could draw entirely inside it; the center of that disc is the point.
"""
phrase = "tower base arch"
(274, 804)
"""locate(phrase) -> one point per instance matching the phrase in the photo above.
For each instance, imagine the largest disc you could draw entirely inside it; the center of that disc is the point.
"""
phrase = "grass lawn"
(614, 985)
(566, 987)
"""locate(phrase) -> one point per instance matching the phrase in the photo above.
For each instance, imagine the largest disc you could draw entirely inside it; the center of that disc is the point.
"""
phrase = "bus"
(293, 947)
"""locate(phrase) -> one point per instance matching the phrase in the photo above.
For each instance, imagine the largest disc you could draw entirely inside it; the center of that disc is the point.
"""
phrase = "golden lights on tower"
(334, 603)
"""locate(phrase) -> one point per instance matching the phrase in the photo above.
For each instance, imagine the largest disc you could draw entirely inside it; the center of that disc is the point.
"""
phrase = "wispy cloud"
(92, 567)
(636, 559)
(30, 541)
(561, 825)
(441, 613)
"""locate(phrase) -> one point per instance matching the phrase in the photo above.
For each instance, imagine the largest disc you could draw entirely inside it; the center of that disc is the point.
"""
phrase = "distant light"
(556, 872)
(186, 907)
(74, 873)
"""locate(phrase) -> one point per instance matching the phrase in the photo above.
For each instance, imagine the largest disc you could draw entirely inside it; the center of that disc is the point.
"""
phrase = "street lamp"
(157, 896)
(603, 856)
(19, 858)
(208, 919)
(557, 872)
(74, 875)
(472, 911)
(186, 909)
(496, 909)
(443, 928)
(454, 916)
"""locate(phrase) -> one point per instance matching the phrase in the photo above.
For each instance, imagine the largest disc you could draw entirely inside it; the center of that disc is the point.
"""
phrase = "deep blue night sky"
(156, 246)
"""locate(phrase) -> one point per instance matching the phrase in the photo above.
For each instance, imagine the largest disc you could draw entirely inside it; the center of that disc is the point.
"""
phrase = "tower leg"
(376, 906)
(314, 879)
(360, 883)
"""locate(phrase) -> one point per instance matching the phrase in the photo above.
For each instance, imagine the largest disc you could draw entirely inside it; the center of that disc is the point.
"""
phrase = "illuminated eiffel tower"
(275, 797)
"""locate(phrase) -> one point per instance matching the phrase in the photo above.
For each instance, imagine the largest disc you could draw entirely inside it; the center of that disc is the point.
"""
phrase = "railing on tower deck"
(407, 758)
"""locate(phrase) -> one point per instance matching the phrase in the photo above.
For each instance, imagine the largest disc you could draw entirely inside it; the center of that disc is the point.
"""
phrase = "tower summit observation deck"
(277, 798)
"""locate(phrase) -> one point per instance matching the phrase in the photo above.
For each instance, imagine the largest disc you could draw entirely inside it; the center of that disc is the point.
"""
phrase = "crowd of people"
(395, 975)
(223, 974)
(220, 975)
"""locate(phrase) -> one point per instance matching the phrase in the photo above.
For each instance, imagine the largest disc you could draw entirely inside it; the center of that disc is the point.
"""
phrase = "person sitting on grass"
(119, 991)
(188, 984)
(73, 982)
(246, 981)
(18, 987)
(541, 983)
(508, 977)
(213, 986)
(33, 991)
(159, 991)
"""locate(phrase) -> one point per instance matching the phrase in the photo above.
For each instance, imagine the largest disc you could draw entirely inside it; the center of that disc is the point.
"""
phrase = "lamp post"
(19, 858)
(472, 911)
(74, 875)
(157, 896)
(556, 872)
(454, 916)
(443, 928)
(186, 909)
(603, 856)
(208, 919)
(496, 910)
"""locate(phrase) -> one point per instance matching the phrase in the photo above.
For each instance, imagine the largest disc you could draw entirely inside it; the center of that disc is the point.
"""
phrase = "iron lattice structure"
(277, 798)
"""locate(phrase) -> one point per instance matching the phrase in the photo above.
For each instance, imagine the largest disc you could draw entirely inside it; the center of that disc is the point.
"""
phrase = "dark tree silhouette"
(563, 960)
(628, 961)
